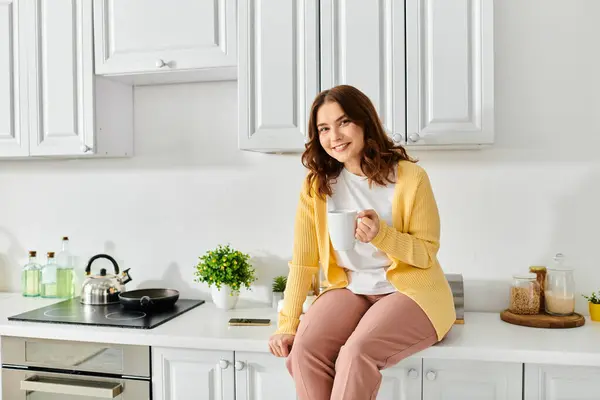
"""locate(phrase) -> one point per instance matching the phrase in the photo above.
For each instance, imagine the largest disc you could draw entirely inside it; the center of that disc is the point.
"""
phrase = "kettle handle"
(88, 269)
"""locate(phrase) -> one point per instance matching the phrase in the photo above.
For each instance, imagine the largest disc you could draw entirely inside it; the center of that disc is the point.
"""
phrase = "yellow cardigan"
(411, 244)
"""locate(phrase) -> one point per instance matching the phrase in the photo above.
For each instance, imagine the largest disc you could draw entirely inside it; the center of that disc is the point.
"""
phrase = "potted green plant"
(594, 305)
(225, 270)
(279, 283)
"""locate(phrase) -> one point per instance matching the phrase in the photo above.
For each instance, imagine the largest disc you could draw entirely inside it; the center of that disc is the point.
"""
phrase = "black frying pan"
(149, 299)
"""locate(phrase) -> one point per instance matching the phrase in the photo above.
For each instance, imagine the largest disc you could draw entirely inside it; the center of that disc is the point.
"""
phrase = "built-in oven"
(39, 369)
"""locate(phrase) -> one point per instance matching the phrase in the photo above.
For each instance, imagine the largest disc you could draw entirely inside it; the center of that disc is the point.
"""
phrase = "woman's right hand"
(280, 344)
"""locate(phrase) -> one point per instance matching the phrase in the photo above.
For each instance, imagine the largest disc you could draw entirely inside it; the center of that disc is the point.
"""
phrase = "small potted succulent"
(279, 283)
(594, 304)
(225, 270)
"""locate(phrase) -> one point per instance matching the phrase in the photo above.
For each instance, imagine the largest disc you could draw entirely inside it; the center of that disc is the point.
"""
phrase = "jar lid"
(537, 268)
(526, 275)
(559, 263)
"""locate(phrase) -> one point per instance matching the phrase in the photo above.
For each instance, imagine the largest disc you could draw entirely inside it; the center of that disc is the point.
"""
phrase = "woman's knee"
(354, 350)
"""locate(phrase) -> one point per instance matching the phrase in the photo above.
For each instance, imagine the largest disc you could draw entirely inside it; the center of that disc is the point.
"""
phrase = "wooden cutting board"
(543, 320)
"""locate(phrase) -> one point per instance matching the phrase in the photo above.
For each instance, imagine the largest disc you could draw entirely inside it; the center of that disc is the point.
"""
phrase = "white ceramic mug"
(342, 228)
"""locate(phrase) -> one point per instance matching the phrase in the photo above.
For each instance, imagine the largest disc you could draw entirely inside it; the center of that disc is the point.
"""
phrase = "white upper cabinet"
(362, 44)
(61, 94)
(154, 36)
(449, 72)
(14, 140)
(51, 104)
(278, 73)
(427, 65)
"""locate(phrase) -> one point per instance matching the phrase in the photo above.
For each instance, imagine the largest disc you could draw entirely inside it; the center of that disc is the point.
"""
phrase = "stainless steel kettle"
(103, 289)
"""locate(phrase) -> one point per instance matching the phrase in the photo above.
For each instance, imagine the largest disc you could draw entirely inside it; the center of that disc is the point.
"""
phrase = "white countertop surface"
(483, 336)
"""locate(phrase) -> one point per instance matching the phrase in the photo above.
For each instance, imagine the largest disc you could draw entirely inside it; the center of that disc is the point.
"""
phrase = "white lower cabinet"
(401, 382)
(554, 382)
(471, 380)
(182, 374)
(261, 376)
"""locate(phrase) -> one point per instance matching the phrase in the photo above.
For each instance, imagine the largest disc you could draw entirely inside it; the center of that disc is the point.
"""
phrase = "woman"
(387, 298)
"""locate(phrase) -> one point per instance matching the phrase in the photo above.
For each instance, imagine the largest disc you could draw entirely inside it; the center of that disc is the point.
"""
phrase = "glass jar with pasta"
(525, 294)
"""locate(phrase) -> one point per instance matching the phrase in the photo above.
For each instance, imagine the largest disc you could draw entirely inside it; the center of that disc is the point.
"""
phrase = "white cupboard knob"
(223, 364)
(414, 137)
(397, 138)
(239, 365)
(413, 373)
(85, 148)
(431, 375)
(161, 63)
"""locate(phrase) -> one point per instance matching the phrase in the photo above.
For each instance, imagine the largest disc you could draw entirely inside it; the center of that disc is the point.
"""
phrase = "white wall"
(534, 193)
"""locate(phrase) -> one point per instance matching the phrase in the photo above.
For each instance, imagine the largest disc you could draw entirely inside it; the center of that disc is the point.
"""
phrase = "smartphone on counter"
(249, 322)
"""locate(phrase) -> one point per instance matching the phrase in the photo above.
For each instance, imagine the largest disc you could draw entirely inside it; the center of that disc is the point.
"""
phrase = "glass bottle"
(65, 276)
(48, 286)
(30, 276)
(560, 288)
(525, 294)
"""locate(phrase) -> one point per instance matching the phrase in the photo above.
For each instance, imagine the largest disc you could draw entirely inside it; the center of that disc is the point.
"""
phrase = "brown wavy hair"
(379, 155)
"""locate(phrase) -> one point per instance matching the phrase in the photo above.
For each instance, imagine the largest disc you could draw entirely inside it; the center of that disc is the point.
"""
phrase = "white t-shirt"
(365, 264)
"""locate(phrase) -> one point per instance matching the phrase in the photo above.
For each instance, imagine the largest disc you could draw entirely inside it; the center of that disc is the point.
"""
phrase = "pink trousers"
(345, 339)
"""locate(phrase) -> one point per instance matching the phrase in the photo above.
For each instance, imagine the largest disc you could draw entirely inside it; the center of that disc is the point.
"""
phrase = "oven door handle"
(98, 389)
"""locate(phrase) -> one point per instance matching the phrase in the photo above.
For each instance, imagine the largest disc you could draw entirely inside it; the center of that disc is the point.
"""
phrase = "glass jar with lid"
(525, 294)
(560, 287)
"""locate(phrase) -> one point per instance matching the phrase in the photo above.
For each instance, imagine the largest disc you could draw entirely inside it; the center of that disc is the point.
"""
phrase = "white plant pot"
(223, 298)
(276, 297)
(307, 303)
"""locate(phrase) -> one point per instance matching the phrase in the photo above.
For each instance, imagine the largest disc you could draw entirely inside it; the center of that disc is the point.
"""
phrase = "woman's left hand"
(368, 226)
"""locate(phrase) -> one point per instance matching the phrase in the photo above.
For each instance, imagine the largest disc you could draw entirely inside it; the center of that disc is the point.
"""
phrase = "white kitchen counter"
(483, 337)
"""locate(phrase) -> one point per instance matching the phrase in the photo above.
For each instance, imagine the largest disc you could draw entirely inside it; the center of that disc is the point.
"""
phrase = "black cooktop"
(73, 312)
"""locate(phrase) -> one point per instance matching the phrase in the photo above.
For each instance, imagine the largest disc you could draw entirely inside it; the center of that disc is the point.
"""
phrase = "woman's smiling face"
(341, 138)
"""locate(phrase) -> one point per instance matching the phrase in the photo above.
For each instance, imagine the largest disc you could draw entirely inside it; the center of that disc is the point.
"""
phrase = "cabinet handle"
(413, 373)
(414, 137)
(160, 63)
(239, 365)
(223, 364)
(431, 375)
(85, 148)
(397, 138)
(78, 388)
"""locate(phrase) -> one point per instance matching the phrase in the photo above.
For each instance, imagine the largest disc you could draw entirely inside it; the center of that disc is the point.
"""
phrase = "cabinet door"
(278, 70)
(261, 376)
(14, 140)
(401, 382)
(61, 77)
(450, 72)
(155, 35)
(362, 44)
(183, 374)
(471, 380)
(554, 382)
